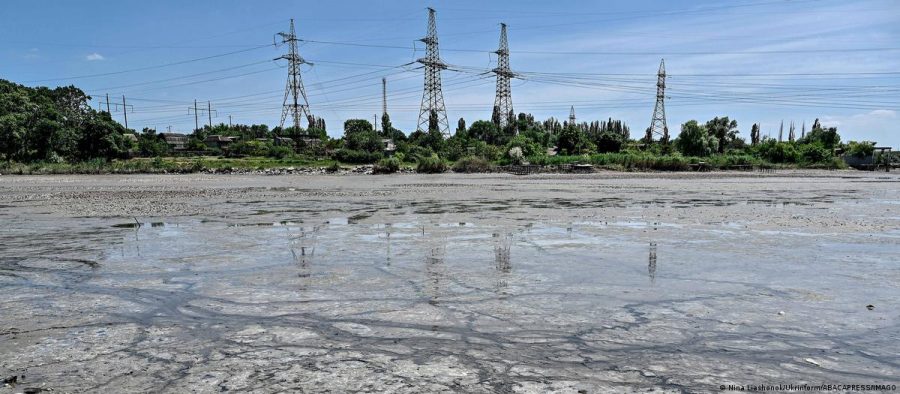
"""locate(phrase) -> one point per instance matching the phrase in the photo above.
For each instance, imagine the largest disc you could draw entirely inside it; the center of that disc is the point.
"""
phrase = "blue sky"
(753, 60)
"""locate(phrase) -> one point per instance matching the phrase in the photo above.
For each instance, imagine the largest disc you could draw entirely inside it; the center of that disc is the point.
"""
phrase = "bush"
(334, 167)
(387, 166)
(609, 141)
(695, 140)
(280, 152)
(357, 156)
(470, 164)
(515, 155)
(814, 154)
(778, 152)
(249, 148)
(431, 165)
(861, 149)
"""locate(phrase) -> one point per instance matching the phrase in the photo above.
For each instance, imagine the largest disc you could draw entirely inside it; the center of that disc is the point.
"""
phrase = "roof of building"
(219, 138)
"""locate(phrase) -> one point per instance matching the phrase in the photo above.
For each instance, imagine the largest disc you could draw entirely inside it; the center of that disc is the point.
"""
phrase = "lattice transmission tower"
(503, 108)
(433, 113)
(658, 123)
(295, 101)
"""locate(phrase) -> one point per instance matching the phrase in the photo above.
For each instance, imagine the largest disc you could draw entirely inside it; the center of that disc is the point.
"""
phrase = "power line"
(151, 67)
(626, 53)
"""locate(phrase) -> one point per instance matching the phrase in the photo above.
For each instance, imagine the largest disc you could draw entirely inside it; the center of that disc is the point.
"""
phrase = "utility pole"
(383, 96)
(196, 119)
(658, 123)
(432, 113)
(229, 121)
(295, 101)
(209, 111)
(123, 104)
(125, 111)
(503, 107)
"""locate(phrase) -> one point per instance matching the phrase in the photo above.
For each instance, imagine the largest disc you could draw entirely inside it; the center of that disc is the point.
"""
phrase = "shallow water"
(438, 296)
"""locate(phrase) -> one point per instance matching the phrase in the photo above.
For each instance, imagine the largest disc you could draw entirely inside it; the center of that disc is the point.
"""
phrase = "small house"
(218, 141)
(176, 141)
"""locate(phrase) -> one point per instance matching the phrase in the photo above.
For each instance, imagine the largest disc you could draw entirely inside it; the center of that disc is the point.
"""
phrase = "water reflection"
(387, 237)
(502, 246)
(651, 265)
(303, 248)
(436, 250)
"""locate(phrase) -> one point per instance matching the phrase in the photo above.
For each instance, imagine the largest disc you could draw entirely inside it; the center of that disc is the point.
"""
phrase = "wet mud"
(449, 283)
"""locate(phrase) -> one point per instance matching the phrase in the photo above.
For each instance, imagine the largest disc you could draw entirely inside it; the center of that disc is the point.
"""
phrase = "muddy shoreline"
(604, 282)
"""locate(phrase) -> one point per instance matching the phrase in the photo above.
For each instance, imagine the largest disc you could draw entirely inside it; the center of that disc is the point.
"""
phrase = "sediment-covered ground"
(611, 282)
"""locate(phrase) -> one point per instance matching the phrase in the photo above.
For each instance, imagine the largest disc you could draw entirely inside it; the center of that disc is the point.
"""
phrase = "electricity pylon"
(432, 113)
(295, 101)
(503, 107)
(658, 123)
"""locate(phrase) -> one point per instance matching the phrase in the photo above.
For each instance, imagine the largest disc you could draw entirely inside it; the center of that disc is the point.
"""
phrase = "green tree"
(695, 140)
(485, 131)
(724, 129)
(432, 139)
(573, 141)
(460, 128)
(151, 144)
(608, 141)
(828, 137)
(352, 126)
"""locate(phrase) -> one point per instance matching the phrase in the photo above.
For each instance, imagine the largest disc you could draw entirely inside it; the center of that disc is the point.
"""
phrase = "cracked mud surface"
(448, 283)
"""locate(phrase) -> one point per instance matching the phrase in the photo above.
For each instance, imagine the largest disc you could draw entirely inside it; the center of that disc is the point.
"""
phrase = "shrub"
(431, 165)
(778, 152)
(470, 164)
(333, 167)
(357, 156)
(609, 141)
(861, 148)
(249, 148)
(515, 155)
(814, 153)
(695, 140)
(387, 166)
(280, 152)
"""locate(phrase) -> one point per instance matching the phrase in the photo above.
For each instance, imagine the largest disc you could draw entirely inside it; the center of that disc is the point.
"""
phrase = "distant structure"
(503, 108)
(432, 113)
(572, 116)
(295, 101)
(658, 123)
(383, 97)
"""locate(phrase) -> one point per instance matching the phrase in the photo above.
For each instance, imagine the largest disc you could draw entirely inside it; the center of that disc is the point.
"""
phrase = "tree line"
(58, 125)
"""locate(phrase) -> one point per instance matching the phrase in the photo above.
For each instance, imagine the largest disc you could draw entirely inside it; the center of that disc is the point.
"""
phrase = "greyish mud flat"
(448, 283)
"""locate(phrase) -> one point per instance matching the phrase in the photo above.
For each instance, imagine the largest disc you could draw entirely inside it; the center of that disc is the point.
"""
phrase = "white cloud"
(886, 113)
(32, 53)
(878, 125)
(94, 56)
